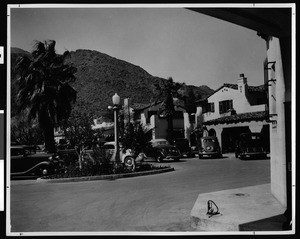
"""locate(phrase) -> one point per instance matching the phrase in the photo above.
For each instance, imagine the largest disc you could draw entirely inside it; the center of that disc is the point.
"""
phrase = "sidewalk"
(243, 209)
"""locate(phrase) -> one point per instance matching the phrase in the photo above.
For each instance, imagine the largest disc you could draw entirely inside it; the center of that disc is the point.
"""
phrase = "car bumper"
(209, 153)
(253, 154)
(175, 157)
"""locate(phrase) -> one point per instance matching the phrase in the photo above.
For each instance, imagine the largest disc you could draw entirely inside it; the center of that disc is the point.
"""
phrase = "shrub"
(94, 163)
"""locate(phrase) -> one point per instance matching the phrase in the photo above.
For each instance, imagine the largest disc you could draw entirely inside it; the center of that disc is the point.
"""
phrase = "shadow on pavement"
(268, 224)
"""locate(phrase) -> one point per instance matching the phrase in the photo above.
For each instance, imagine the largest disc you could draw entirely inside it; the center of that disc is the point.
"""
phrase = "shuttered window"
(224, 106)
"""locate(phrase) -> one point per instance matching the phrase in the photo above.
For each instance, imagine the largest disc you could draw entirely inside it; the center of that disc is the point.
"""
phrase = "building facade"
(234, 109)
(156, 124)
(275, 26)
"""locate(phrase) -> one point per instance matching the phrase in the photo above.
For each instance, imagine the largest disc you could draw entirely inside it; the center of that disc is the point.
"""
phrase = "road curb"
(104, 177)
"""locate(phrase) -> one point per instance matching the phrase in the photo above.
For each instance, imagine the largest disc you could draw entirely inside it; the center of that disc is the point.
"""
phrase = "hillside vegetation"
(100, 76)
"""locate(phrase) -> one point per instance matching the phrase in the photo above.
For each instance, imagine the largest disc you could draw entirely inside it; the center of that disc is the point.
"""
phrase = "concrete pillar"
(155, 126)
(277, 128)
(219, 136)
(187, 126)
(126, 111)
(199, 117)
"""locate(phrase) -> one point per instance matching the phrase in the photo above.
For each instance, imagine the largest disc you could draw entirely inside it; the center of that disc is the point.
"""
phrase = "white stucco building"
(156, 124)
(234, 109)
(277, 27)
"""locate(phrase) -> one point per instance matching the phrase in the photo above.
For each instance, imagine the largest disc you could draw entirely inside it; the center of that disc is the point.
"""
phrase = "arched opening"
(212, 132)
(229, 137)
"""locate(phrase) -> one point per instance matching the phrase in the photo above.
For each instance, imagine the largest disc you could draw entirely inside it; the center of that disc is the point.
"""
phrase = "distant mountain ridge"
(100, 76)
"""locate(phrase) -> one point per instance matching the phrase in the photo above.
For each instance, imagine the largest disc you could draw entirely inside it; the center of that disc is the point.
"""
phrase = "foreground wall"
(277, 91)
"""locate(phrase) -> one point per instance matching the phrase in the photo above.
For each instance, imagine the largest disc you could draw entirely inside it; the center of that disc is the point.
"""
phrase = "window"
(224, 106)
(209, 107)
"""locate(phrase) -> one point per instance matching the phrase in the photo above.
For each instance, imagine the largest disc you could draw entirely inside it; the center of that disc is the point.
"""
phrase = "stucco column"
(187, 126)
(219, 135)
(277, 128)
(198, 117)
(154, 126)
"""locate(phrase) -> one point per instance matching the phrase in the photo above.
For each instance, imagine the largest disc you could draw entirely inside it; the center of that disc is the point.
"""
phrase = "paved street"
(160, 202)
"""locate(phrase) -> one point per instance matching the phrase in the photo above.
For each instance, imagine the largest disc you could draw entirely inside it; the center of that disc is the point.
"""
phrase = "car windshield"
(251, 140)
(209, 140)
(161, 142)
(254, 142)
(109, 146)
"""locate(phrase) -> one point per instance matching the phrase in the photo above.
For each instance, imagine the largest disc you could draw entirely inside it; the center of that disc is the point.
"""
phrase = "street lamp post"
(116, 103)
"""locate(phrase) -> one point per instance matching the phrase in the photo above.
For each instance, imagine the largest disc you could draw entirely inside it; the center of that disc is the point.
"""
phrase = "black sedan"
(161, 149)
(25, 164)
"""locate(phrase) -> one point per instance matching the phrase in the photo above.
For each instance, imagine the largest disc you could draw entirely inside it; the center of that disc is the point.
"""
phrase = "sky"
(190, 47)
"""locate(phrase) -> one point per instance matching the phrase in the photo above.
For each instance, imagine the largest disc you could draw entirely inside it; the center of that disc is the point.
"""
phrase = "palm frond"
(38, 49)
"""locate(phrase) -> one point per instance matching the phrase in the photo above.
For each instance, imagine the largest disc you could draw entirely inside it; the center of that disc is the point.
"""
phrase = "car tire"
(129, 163)
(200, 156)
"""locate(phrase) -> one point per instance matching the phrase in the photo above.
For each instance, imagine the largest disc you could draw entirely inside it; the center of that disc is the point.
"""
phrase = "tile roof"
(244, 117)
(251, 89)
(260, 88)
(139, 106)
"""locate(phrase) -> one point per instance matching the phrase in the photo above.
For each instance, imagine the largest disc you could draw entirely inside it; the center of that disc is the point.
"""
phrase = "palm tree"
(165, 92)
(44, 90)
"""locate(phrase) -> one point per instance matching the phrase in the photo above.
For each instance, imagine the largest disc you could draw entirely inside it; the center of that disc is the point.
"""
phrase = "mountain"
(99, 76)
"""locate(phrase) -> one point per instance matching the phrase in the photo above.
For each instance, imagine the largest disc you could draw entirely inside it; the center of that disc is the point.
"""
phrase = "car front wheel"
(44, 171)
(129, 163)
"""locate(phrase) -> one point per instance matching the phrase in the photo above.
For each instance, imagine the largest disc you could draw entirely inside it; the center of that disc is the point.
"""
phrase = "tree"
(134, 137)
(24, 132)
(78, 129)
(44, 90)
(165, 92)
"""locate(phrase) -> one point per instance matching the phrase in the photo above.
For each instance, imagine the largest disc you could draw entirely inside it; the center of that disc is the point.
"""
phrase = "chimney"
(242, 84)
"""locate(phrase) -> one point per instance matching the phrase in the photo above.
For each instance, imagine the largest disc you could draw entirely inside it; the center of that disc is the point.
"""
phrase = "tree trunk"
(170, 129)
(49, 138)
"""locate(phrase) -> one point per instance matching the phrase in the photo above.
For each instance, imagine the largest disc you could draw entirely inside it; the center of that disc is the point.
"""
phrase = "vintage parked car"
(27, 164)
(161, 149)
(250, 145)
(126, 156)
(184, 146)
(209, 146)
(105, 155)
